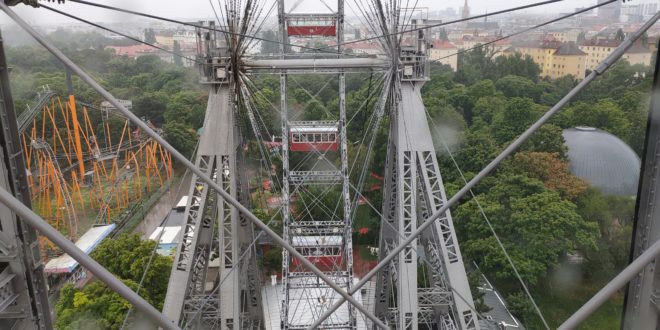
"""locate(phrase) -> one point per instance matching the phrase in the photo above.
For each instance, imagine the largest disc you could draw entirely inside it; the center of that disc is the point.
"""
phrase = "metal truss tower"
(413, 191)
(225, 295)
(326, 242)
(23, 289)
(642, 302)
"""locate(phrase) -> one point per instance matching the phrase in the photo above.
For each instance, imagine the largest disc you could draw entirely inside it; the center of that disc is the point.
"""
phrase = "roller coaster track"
(42, 98)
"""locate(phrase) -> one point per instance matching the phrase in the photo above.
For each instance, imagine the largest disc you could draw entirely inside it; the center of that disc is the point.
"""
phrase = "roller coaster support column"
(76, 125)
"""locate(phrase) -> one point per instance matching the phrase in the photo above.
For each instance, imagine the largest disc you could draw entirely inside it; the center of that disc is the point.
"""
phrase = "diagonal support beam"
(178, 156)
(600, 69)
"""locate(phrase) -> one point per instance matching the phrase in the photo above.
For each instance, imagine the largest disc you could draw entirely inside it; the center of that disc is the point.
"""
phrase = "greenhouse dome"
(603, 160)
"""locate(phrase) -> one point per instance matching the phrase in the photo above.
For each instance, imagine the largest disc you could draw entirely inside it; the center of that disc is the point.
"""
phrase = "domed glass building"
(603, 160)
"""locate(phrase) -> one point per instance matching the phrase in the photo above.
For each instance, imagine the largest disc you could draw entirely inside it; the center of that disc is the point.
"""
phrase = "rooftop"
(569, 49)
(87, 243)
(443, 44)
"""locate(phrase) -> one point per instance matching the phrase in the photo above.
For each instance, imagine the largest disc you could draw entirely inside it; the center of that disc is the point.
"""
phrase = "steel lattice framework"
(416, 208)
(304, 294)
(23, 289)
(213, 230)
(413, 192)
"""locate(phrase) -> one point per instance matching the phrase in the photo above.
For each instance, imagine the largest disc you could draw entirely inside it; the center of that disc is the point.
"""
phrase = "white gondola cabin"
(322, 251)
(313, 136)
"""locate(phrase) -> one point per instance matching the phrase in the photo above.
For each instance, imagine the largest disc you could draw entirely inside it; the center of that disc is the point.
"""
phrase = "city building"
(565, 35)
(598, 49)
(638, 11)
(444, 52)
(468, 42)
(609, 13)
(364, 47)
(556, 59)
(465, 10)
(165, 38)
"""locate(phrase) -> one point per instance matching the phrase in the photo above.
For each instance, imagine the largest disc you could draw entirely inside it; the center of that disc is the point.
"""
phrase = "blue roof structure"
(87, 242)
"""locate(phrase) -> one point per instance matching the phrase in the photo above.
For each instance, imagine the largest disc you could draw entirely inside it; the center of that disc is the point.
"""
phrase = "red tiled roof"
(443, 44)
(132, 51)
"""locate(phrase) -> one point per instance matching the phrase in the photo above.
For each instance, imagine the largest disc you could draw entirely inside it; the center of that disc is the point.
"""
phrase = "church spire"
(466, 10)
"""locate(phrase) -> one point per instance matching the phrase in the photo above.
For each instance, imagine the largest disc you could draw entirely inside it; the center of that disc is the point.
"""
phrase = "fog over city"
(195, 9)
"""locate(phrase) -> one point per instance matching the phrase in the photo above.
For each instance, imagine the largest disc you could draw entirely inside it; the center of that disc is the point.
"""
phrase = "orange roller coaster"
(87, 167)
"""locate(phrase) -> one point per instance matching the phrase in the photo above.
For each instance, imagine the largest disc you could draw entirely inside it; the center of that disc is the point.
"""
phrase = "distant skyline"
(201, 9)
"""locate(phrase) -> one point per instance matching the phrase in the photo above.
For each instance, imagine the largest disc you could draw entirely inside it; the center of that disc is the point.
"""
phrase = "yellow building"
(469, 42)
(166, 40)
(598, 50)
(556, 59)
(444, 52)
(564, 35)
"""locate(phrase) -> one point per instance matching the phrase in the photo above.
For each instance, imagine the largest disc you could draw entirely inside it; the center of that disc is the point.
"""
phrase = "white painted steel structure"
(217, 174)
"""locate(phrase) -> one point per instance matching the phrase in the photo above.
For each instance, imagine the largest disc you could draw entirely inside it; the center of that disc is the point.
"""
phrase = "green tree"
(443, 34)
(149, 36)
(517, 116)
(272, 46)
(635, 105)
(127, 257)
(186, 107)
(181, 136)
(96, 305)
(516, 86)
(178, 56)
(516, 65)
(534, 223)
(272, 261)
(550, 169)
(475, 65)
(314, 110)
(620, 36)
(548, 139)
(151, 106)
(478, 150)
(521, 307)
(604, 114)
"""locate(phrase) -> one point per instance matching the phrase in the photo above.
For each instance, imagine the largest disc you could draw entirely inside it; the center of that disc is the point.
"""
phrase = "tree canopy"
(97, 306)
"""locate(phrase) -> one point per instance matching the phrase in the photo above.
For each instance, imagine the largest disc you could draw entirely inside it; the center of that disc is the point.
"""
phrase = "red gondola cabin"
(313, 136)
(312, 25)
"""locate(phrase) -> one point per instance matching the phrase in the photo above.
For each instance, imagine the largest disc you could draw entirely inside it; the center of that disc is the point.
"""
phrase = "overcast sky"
(189, 9)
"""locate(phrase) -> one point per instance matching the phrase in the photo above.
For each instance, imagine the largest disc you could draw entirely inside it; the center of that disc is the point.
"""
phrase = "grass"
(365, 254)
(362, 217)
(557, 306)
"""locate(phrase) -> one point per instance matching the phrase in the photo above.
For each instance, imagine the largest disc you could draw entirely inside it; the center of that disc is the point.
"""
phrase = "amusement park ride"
(318, 286)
